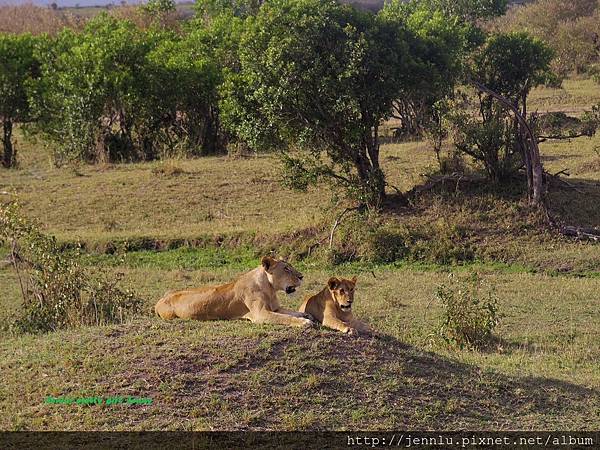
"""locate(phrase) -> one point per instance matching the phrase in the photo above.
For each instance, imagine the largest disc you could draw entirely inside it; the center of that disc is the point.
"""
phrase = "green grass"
(212, 218)
(217, 375)
(573, 97)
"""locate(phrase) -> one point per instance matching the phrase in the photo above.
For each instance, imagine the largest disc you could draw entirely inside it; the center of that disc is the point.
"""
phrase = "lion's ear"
(353, 280)
(333, 283)
(268, 262)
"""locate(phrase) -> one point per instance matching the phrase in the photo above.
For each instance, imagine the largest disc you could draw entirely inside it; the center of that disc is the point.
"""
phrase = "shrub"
(117, 93)
(366, 236)
(511, 65)
(491, 141)
(57, 291)
(18, 66)
(469, 312)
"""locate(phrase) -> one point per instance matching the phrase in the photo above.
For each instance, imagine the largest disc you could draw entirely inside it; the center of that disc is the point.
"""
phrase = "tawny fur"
(332, 307)
(253, 296)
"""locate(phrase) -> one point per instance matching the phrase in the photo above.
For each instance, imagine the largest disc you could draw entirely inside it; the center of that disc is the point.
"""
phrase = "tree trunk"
(535, 178)
(8, 159)
(370, 174)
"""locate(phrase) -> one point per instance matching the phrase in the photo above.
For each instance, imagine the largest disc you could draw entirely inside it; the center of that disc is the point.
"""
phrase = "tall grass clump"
(469, 312)
(57, 291)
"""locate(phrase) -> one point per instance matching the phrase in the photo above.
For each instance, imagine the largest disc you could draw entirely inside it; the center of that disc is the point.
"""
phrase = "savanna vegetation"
(444, 152)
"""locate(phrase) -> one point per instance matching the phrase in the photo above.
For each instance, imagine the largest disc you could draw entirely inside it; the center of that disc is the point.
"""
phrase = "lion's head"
(281, 275)
(342, 291)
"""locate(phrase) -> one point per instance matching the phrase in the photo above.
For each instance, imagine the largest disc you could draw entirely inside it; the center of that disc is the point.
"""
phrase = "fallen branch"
(565, 182)
(562, 172)
(560, 137)
(591, 234)
(579, 233)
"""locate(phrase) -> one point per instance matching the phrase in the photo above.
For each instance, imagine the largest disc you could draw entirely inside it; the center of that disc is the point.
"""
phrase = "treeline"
(313, 79)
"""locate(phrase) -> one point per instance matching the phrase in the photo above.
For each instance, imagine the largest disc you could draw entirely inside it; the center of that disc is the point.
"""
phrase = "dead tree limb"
(565, 182)
(579, 233)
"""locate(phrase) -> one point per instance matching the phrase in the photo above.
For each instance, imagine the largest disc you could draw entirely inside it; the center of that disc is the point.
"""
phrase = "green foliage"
(469, 10)
(157, 7)
(57, 291)
(490, 140)
(439, 46)
(92, 88)
(209, 9)
(511, 65)
(183, 91)
(320, 77)
(470, 312)
(114, 92)
(18, 67)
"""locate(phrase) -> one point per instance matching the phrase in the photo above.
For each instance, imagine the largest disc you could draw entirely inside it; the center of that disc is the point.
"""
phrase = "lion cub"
(333, 307)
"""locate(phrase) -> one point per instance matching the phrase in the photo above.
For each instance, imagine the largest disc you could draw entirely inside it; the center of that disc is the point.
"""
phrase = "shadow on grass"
(320, 380)
(575, 201)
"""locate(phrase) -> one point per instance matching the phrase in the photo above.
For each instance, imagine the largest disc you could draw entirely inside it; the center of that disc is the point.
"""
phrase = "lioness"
(333, 307)
(252, 296)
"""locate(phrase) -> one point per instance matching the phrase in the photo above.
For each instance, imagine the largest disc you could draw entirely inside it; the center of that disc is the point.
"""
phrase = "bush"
(57, 291)
(117, 93)
(319, 77)
(470, 312)
(367, 237)
(511, 65)
(18, 67)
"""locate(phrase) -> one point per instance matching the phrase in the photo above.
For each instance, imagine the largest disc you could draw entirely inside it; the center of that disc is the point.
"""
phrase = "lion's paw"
(307, 323)
(308, 316)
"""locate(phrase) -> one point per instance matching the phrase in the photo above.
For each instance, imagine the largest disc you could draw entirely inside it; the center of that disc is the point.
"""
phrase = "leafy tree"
(18, 66)
(91, 88)
(160, 6)
(510, 65)
(469, 10)
(320, 77)
(115, 92)
(154, 14)
(440, 45)
(182, 90)
(209, 9)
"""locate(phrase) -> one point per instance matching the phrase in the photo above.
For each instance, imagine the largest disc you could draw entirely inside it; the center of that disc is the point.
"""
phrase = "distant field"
(214, 216)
